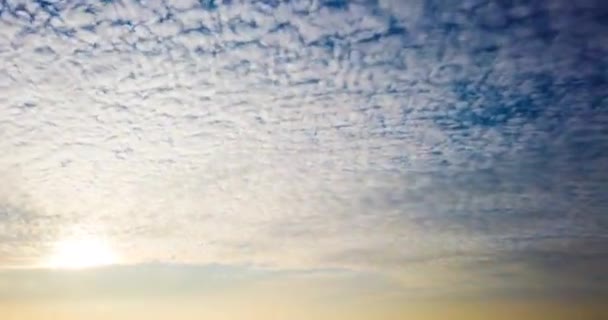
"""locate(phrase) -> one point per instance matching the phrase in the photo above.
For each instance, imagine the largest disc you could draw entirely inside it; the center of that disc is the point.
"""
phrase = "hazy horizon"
(322, 159)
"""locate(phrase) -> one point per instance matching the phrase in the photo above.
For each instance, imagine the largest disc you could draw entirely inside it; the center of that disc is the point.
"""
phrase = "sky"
(389, 159)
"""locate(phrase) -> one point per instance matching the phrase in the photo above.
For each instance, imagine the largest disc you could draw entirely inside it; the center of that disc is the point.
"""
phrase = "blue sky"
(414, 140)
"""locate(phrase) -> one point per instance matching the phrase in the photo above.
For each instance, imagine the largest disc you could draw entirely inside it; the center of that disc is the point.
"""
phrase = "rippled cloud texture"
(447, 144)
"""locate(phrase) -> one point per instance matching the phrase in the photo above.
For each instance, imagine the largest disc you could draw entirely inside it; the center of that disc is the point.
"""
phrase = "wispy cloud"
(308, 133)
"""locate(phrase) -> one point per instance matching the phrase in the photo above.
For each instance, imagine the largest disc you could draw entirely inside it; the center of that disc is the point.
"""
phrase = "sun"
(81, 253)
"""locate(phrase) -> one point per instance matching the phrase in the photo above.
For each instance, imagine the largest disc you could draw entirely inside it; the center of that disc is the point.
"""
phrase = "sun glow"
(81, 253)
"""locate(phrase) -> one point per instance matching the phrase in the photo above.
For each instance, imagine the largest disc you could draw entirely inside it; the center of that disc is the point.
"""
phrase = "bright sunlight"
(82, 253)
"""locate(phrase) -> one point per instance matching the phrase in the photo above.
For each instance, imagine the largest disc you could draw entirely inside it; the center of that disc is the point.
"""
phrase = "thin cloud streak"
(373, 136)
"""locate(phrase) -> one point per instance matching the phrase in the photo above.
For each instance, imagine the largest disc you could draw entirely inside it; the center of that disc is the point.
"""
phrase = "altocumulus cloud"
(374, 135)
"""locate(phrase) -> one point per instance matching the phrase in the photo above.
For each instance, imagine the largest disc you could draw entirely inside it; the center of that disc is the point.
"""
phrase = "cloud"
(352, 134)
(166, 282)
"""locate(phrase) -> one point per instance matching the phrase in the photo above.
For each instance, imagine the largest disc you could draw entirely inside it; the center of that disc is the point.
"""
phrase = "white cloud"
(296, 135)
